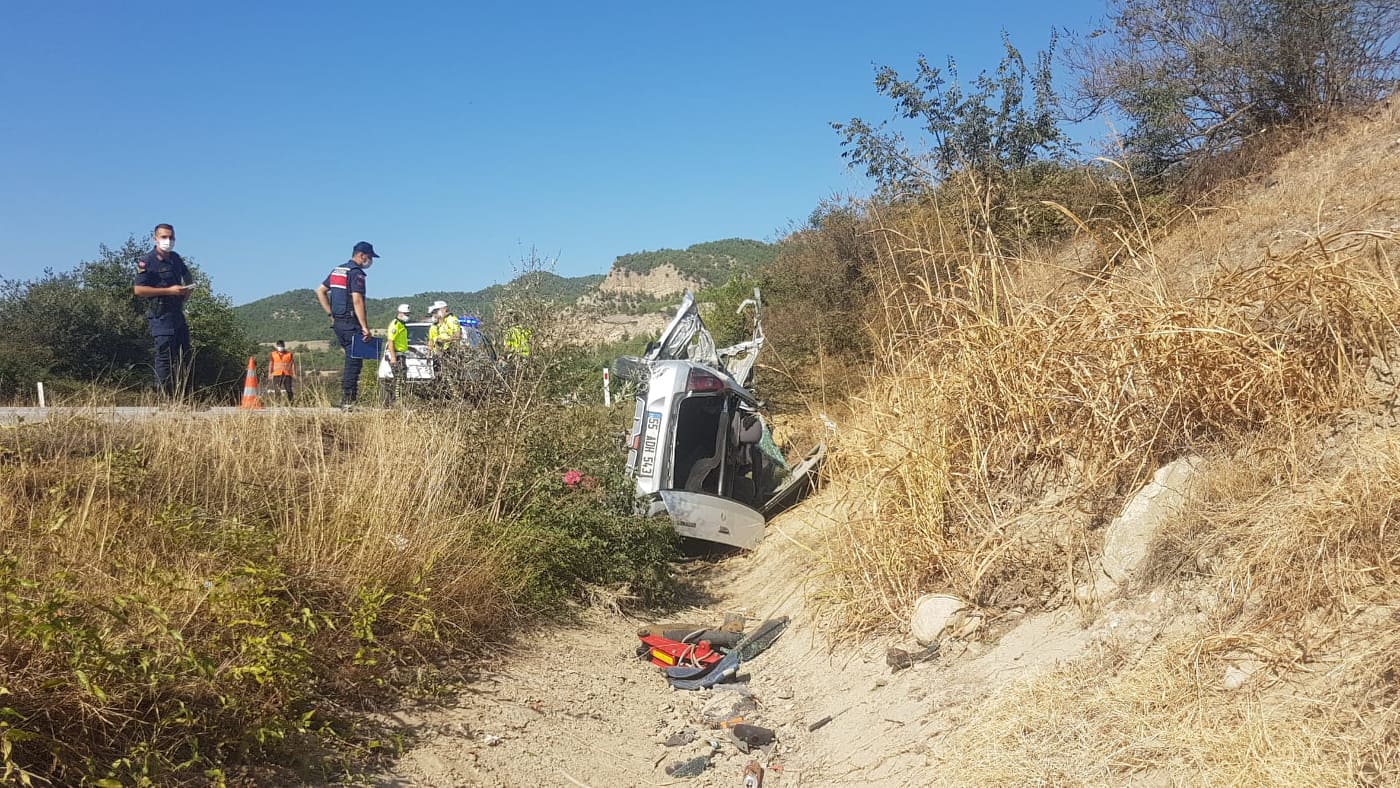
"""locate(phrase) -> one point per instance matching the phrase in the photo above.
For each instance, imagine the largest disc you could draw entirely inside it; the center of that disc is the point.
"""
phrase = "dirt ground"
(575, 706)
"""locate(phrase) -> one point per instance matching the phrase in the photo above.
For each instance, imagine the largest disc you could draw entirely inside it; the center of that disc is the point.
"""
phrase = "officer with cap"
(165, 282)
(342, 297)
(446, 330)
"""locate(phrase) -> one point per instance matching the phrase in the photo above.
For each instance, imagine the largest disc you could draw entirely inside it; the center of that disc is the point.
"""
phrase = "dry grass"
(190, 592)
(1302, 564)
(1018, 400)
(992, 397)
(1167, 721)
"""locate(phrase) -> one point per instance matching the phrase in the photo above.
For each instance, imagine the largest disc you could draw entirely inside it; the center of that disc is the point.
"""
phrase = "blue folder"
(370, 350)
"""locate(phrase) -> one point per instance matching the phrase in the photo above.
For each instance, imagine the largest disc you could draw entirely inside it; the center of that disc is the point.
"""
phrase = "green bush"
(86, 326)
(576, 524)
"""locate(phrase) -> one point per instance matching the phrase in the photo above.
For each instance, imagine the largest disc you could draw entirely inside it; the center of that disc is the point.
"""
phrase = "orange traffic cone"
(250, 387)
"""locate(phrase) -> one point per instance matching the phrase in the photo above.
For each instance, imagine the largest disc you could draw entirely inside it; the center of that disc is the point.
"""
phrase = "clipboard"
(369, 350)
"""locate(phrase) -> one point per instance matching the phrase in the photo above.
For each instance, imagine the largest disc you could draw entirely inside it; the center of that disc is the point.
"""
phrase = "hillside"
(637, 285)
(713, 262)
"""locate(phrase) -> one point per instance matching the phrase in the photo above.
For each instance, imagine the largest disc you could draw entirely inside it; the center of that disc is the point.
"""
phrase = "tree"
(1200, 76)
(86, 326)
(1004, 121)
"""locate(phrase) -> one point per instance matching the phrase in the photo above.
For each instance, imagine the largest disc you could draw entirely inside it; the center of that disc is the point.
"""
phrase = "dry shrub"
(1167, 721)
(988, 402)
(1293, 540)
(815, 299)
(194, 592)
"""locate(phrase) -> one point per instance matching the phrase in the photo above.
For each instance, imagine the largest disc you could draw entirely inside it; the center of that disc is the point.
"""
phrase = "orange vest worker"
(280, 368)
(281, 363)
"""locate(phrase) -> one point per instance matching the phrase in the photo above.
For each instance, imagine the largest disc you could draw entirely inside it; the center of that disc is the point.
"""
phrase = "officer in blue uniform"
(164, 281)
(342, 297)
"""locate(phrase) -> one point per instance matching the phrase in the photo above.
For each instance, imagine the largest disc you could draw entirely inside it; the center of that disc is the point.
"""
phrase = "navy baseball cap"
(366, 247)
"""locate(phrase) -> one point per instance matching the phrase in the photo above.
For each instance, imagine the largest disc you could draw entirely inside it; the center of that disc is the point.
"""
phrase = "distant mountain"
(295, 315)
(640, 282)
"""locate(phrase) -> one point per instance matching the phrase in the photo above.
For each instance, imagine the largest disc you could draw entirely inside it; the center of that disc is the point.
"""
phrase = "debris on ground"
(898, 659)
(691, 768)
(680, 738)
(747, 737)
(727, 706)
(702, 677)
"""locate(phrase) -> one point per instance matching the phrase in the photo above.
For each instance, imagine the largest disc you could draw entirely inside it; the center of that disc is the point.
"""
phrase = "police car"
(420, 366)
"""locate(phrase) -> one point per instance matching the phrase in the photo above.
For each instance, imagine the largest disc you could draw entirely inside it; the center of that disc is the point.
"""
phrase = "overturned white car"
(699, 448)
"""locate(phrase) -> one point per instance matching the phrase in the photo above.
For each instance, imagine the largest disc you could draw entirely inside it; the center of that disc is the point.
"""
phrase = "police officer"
(165, 282)
(342, 297)
(446, 330)
(397, 354)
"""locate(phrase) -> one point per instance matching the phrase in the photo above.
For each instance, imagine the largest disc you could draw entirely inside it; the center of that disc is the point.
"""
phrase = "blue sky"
(454, 136)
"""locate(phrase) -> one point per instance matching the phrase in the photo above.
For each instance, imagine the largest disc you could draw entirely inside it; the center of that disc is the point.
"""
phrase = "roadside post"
(607, 388)
(40, 384)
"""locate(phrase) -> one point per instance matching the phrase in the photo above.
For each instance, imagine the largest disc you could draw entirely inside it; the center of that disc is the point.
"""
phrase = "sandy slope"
(575, 706)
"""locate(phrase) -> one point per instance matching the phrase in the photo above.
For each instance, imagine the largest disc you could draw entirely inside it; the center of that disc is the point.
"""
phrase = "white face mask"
(367, 263)
(165, 244)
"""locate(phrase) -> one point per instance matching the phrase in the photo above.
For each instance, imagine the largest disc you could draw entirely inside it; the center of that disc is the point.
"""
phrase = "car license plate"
(651, 440)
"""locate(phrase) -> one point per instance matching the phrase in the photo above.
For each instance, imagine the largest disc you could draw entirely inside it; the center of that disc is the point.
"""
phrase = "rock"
(932, 614)
(899, 659)
(784, 693)
(1237, 675)
(1129, 537)
(691, 768)
(680, 738)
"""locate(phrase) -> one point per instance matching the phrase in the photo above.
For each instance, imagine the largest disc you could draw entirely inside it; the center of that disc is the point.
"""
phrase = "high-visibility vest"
(518, 341)
(398, 336)
(444, 333)
(281, 363)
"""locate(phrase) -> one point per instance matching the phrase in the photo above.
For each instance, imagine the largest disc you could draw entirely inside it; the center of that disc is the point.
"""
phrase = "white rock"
(933, 613)
(1238, 675)
(1128, 538)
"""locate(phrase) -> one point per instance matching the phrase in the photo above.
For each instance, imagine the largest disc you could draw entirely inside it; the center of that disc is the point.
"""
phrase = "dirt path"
(575, 706)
